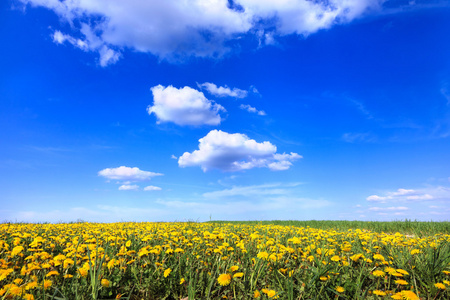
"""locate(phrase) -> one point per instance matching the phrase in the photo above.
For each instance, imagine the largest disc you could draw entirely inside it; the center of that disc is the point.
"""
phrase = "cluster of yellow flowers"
(209, 260)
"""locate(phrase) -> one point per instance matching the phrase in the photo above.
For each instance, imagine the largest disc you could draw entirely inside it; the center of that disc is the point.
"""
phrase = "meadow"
(225, 260)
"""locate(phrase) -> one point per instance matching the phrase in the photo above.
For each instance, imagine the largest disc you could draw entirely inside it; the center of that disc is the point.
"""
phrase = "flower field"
(218, 261)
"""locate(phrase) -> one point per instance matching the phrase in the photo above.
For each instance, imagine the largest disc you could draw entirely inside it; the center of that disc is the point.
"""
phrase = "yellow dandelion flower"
(397, 296)
(401, 282)
(378, 273)
(238, 275)
(68, 263)
(31, 285)
(323, 278)
(335, 258)
(402, 272)
(409, 295)
(446, 272)
(182, 281)
(167, 272)
(224, 279)
(83, 272)
(440, 286)
(28, 297)
(356, 257)
(16, 250)
(68, 276)
(105, 283)
(256, 294)
(340, 289)
(415, 251)
(18, 281)
(51, 273)
(234, 268)
(390, 270)
(379, 293)
(47, 284)
(263, 255)
(378, 257)
(271, 293)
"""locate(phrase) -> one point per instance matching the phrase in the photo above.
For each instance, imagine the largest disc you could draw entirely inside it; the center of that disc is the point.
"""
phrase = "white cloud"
(173, 29)
(127, 174)
(223, 91)
(128, 187)
(107, 55)
(392, 208)
(235, 152)
(60, 38)
(152, 188)
(252, 109)
(408, 195)
(184, 106)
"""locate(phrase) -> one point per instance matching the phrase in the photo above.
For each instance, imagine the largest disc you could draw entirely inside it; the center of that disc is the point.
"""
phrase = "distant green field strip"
(405, 227)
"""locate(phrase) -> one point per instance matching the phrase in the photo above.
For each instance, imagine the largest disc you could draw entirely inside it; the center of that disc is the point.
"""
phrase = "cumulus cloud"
(184, 106)
(235, 152)
(251, 109)
(223, 91)
(127, 174)
(172, 29)
(152, 188)
(128, 187)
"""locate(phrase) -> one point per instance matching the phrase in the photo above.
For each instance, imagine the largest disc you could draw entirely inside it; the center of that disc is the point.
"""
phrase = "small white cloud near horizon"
(128, 187)
(184, 106)
(223, 91)
(428, 193)
(152, 188)
(127, 174)
(235, 152)
(392, 208)
(252, 109)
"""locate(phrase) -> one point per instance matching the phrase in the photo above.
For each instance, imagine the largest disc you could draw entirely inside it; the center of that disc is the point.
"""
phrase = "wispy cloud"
(353, 137)
(252, 109)
(223, 91)
(429, 193)
(152, 188)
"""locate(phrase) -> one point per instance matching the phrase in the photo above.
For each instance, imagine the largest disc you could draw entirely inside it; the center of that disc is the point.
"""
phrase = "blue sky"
(230, 110)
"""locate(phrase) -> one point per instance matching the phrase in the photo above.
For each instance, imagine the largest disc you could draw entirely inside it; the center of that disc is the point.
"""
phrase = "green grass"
(416, 228)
